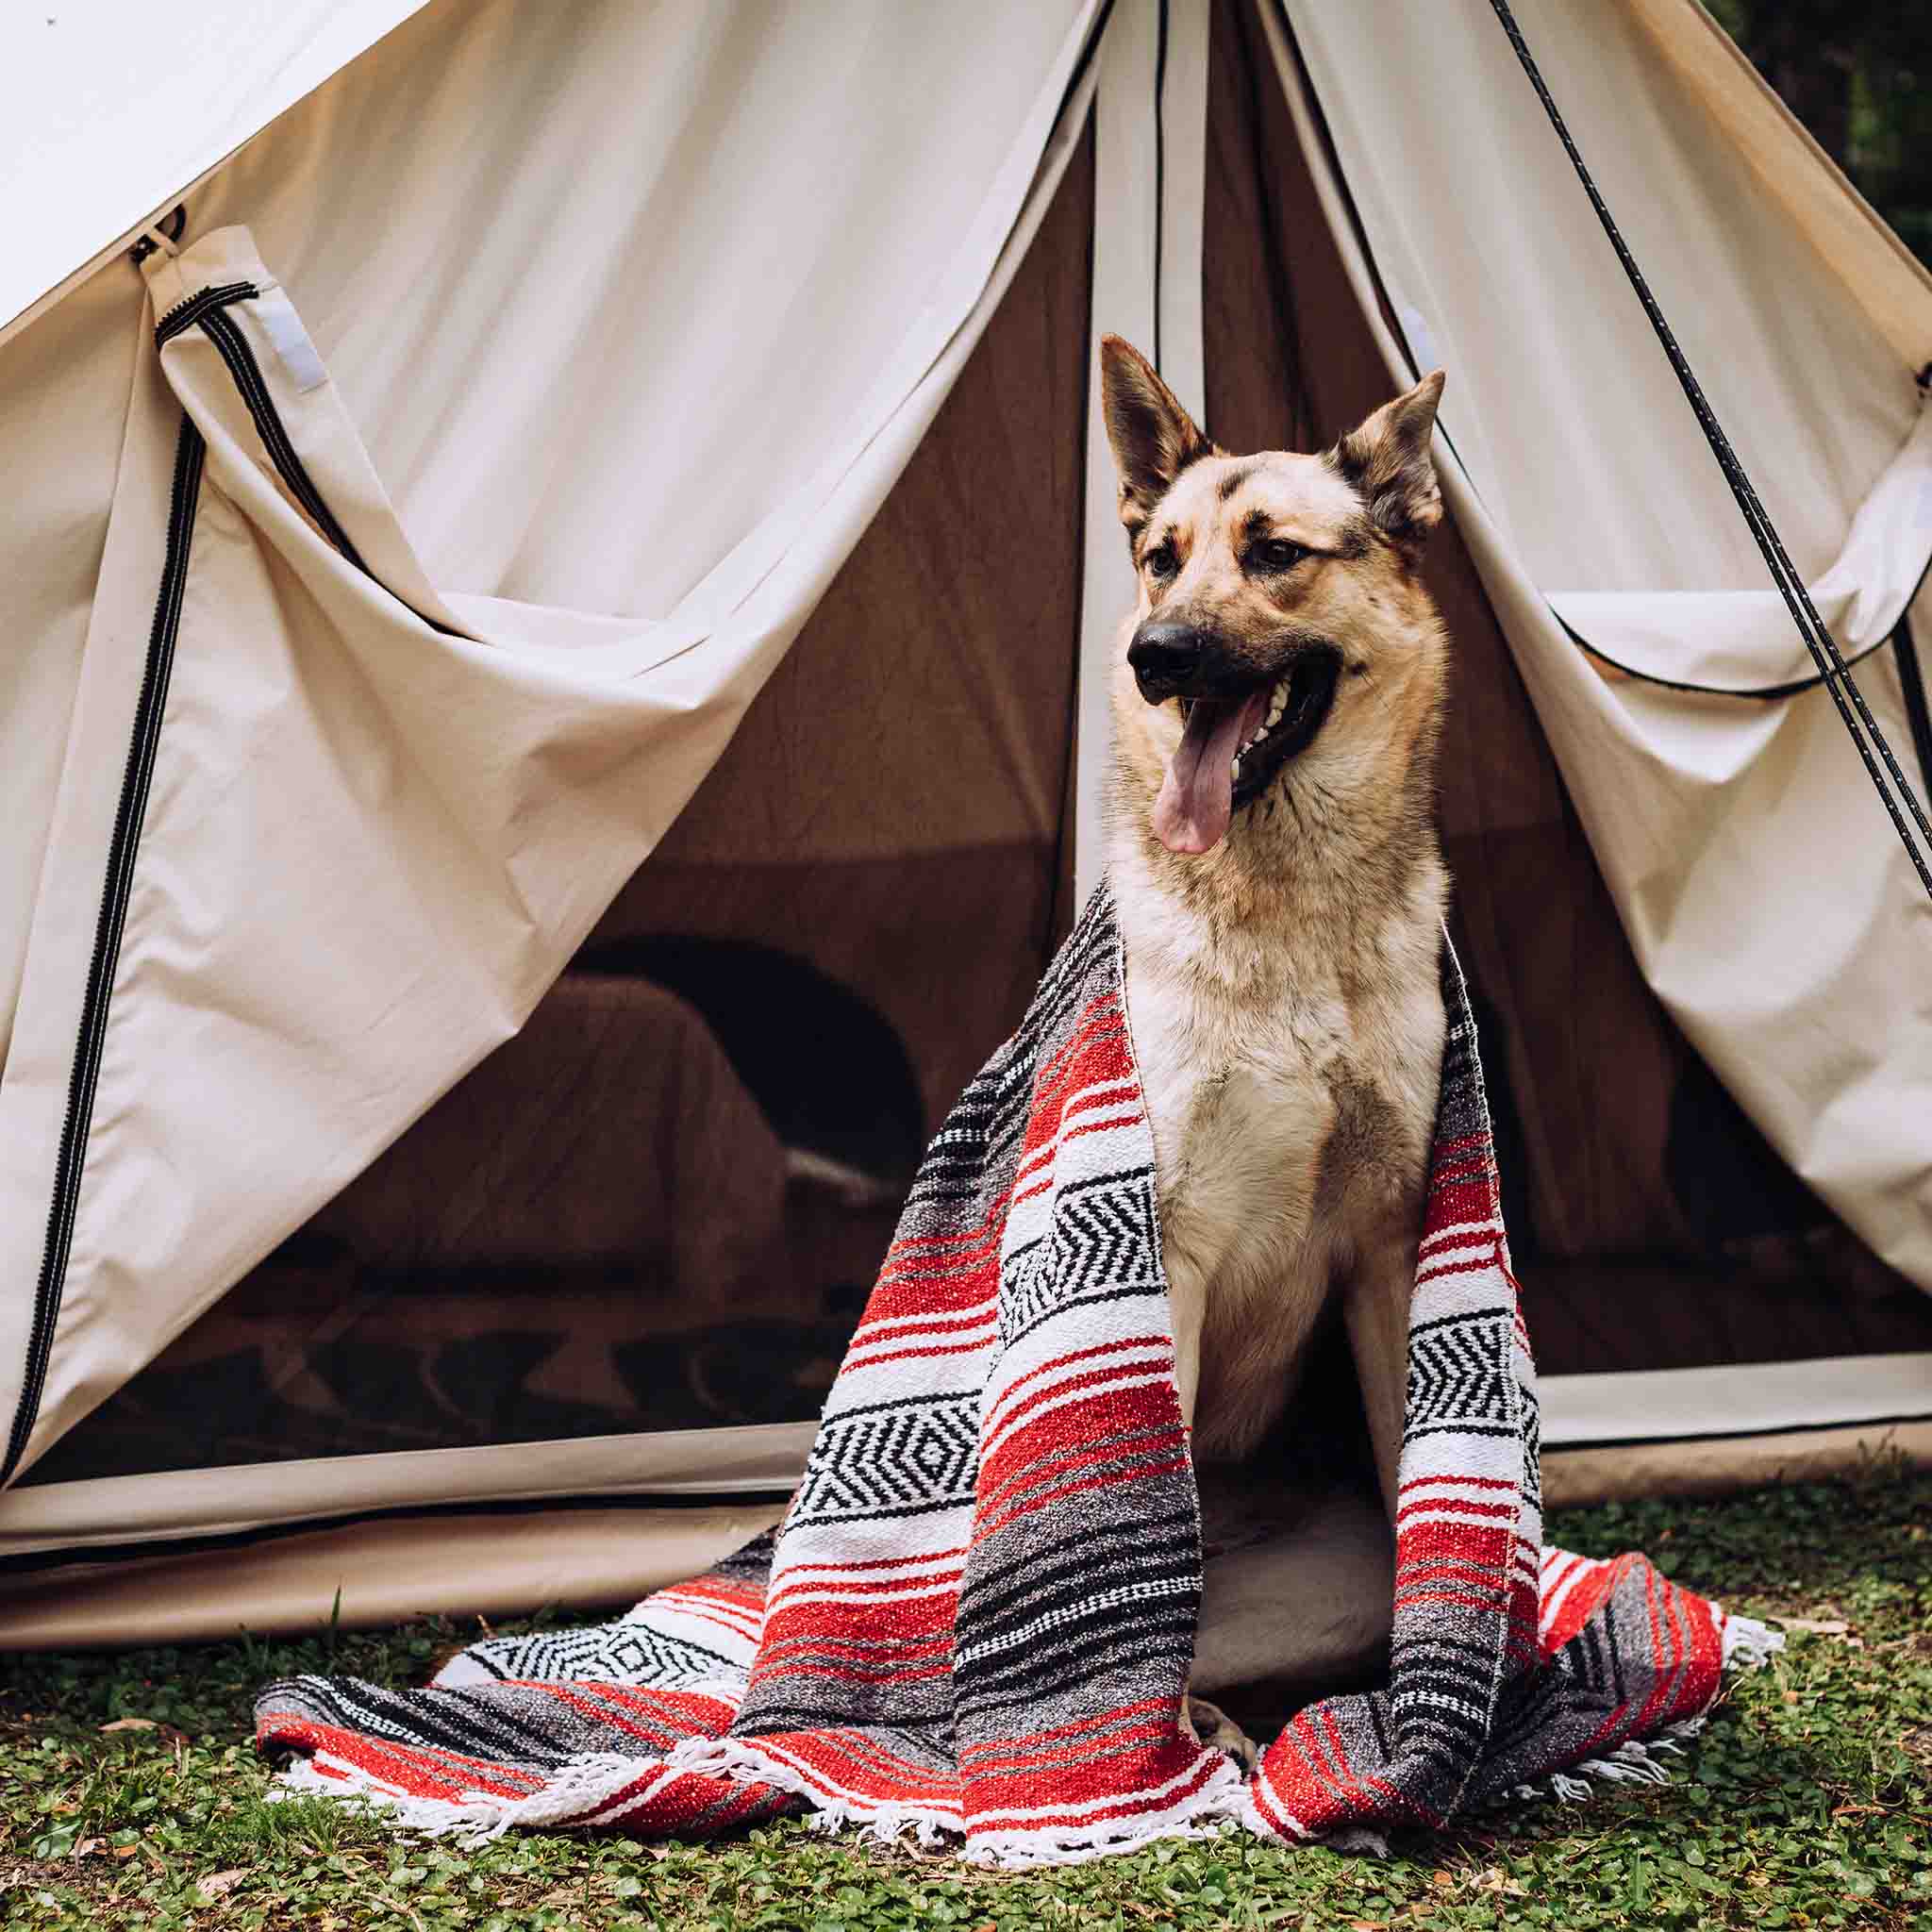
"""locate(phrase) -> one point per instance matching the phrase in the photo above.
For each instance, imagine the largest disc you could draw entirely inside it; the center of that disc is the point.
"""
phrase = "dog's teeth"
(1276, 705)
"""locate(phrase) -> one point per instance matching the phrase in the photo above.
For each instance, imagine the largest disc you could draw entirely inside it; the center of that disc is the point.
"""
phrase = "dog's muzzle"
(1183, 660)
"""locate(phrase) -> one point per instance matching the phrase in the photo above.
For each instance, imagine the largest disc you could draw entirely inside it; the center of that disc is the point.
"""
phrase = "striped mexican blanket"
(978, 1614)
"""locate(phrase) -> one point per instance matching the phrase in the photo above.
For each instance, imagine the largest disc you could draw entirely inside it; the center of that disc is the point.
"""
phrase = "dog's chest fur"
(1290, 1065)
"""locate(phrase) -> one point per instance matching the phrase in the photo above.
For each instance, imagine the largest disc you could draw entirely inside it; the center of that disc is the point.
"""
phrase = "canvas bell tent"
(502, 490)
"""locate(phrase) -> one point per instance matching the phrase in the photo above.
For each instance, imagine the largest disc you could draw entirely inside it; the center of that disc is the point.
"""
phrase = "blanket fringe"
(740, 1760)
(1634, 1761)
(1749, 1645)
(567, 1796)
(1214, 1809)
(1204, 1813)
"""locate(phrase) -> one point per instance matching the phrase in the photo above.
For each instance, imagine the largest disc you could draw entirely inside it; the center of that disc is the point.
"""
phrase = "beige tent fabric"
(1763, 892)
(1723, 1465)
(382, 814)
(381, 1571)
(1150, 207)
(181, 1505)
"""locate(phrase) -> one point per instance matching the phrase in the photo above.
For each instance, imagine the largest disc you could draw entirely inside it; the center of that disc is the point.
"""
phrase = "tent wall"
(595, 1232)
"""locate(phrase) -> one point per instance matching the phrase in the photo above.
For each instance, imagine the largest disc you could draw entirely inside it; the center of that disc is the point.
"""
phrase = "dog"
(1270, 848)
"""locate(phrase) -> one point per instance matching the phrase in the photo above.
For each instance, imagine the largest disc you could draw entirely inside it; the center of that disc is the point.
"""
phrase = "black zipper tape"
(184, 315)
(233, 347)
(136, 778)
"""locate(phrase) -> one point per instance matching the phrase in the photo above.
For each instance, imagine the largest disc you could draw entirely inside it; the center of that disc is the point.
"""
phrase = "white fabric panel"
(1560, 405)
(757, 1459)
(1745, 1398)
(1763, 891)
(372, 839)
(1150, 177)
(109, 107)
(384, 1570)
(1723, 1465)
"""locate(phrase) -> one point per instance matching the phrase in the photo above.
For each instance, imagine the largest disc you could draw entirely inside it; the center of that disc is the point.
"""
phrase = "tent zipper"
(232, 346)
(136, 778)
(206, 311)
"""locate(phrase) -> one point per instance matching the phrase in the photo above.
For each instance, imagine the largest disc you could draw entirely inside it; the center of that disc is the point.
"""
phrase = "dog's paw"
(1212, 1726)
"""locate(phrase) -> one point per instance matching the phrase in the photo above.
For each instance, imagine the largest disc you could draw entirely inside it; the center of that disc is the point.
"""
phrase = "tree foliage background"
(1858, 75)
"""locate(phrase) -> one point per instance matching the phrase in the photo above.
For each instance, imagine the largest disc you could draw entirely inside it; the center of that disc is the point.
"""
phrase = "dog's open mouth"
(1231, 748)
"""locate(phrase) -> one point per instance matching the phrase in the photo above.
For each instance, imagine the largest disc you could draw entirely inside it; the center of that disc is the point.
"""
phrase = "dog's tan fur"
(1282, 987)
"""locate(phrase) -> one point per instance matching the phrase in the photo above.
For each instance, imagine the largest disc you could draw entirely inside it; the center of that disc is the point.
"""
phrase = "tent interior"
(566, 1336)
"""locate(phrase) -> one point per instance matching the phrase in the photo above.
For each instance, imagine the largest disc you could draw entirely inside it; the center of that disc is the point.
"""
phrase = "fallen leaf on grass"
(1816, 1627)
(219, 1884)
(177, 1739)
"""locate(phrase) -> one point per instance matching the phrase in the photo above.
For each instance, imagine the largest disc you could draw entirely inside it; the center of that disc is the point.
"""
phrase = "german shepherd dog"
(1277, 702)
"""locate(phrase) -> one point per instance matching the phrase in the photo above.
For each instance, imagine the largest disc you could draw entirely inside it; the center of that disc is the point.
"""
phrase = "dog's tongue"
(1196, 800)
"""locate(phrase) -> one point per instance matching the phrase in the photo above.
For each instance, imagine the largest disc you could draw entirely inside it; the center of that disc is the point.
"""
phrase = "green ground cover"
(129, 1794)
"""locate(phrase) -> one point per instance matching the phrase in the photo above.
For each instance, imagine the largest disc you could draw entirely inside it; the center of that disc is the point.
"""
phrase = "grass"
(129, 1794)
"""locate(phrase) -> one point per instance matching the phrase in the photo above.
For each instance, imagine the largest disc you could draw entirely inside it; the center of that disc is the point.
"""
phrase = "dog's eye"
(1162, 561)
(1274, 554)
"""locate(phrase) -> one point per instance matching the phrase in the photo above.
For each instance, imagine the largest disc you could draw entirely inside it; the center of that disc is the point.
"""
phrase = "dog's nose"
(1166, 659)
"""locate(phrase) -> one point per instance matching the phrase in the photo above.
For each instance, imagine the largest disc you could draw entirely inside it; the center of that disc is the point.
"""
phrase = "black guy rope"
(1834, 672)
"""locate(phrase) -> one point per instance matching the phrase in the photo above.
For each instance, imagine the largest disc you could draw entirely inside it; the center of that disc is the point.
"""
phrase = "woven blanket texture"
(977, 1617)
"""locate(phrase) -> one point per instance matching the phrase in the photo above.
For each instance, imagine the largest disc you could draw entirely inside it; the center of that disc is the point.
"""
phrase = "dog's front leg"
(1187, 1302)
(1375, 1309)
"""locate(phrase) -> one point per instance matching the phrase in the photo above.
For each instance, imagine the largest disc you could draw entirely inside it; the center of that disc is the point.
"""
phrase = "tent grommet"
(164, 233)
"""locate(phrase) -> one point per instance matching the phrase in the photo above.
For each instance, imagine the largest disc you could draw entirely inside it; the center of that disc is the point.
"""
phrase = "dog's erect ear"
(1153, 438)
(1387, 461)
